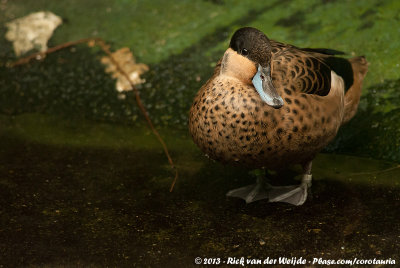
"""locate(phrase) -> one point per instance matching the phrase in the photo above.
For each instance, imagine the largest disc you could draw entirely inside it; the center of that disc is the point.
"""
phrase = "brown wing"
(300, 71)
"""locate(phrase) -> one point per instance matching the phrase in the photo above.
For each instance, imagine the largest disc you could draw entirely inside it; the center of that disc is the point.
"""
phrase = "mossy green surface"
(84, 183)
(181, 41)
(156, 30)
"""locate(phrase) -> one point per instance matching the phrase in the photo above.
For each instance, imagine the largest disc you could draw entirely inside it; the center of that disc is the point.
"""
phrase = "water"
(82, 192)
(83, 182)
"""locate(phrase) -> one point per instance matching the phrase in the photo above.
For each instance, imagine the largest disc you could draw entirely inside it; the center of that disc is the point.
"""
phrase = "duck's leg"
(293, 194)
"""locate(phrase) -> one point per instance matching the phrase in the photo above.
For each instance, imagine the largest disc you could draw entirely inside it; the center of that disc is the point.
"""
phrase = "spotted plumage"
(231, 123)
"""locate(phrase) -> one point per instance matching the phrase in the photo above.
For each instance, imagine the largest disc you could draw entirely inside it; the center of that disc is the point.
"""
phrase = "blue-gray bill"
(262, 81)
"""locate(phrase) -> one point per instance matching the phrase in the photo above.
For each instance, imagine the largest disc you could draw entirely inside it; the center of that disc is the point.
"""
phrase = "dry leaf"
(126, 61)
(32, 31)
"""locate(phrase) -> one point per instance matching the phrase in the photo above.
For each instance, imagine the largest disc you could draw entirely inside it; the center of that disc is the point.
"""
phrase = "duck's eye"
(245, 52)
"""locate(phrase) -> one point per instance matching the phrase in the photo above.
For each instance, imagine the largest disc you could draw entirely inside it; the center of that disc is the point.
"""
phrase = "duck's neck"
(237, 66)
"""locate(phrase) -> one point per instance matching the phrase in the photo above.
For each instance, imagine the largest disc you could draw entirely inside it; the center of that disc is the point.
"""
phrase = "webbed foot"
(293, 194)
(250, 193)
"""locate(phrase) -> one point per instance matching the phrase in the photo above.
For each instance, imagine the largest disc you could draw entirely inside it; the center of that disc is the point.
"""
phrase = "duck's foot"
(294, 194)
(250, 193)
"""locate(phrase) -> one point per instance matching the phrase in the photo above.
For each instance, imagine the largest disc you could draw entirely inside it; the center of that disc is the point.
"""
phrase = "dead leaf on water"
(32, 31)
(126, 61)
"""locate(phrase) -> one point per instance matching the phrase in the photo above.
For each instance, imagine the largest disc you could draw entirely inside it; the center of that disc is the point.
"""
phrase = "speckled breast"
(231, 124)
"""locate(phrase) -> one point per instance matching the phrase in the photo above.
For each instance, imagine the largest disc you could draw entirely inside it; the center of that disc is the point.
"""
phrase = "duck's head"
(248, 59)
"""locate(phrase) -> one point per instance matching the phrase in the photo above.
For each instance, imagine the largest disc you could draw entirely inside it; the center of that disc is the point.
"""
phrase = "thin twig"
(42, 54)
(105, 48)
(100, 42)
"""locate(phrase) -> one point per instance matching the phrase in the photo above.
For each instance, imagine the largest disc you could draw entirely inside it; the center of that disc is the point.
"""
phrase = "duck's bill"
(262, 81)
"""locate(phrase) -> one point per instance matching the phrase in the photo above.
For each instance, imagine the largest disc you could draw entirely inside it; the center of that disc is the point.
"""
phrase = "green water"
(83, 182)
(181, 52)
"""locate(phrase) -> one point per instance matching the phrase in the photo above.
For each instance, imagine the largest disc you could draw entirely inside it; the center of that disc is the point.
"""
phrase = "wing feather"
(299, 70)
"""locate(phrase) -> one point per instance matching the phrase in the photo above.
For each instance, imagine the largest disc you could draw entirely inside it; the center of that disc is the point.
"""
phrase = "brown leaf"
(126, 61)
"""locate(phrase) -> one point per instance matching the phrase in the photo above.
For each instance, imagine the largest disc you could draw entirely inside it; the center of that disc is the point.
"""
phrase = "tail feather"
(359, 66)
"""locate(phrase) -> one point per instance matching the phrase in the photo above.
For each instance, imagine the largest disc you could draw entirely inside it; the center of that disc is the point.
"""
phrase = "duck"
(270, 106)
